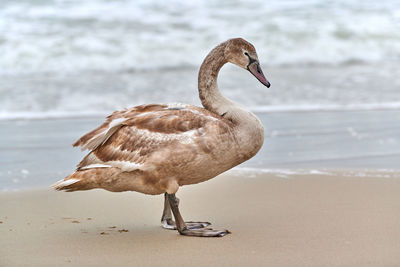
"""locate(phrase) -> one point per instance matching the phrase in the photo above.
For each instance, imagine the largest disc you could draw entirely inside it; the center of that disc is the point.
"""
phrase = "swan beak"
(255, 69)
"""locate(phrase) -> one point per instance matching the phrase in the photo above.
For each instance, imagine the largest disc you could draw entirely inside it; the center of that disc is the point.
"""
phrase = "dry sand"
(300, 221)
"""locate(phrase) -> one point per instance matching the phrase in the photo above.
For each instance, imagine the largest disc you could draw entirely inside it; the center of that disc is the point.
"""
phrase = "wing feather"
(129, 137)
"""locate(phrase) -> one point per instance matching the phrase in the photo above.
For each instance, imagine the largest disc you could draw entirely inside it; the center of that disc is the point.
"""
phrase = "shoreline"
(251, 173)
(39, 152)
(300, 221)
(273, 109)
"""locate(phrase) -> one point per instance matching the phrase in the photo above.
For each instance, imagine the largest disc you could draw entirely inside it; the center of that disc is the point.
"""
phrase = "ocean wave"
(69, 36)
(328, 107)
(257, 109)
(87, 58)
(50, 115)
(289, 173)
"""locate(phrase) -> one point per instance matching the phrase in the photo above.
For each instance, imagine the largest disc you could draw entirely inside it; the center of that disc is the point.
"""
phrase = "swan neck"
(210, 96)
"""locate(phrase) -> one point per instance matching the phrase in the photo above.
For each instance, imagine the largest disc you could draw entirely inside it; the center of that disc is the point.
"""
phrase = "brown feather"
(156, 148)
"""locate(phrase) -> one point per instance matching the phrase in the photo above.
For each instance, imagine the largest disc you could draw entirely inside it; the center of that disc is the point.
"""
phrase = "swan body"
(156, 148)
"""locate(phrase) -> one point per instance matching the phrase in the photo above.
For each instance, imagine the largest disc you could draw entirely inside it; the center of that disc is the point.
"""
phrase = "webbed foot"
(205, 232)
(199, 229)
(171, 225)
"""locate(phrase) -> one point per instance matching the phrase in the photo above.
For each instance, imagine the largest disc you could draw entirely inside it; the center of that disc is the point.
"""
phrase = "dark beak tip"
(257, 72)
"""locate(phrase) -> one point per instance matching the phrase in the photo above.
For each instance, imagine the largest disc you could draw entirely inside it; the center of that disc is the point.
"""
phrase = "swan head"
(243, 54)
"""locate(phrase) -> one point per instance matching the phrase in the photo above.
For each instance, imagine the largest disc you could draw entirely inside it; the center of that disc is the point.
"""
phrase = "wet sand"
(302, 220)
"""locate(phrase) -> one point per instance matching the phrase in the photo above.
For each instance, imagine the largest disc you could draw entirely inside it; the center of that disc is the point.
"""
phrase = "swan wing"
(128, 138)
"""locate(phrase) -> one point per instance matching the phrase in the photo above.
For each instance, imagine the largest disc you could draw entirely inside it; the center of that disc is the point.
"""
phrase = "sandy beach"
(324, 189)
(302, 220)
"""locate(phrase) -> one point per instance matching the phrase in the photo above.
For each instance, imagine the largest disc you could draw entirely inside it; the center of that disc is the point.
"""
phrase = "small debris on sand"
(75, 221)
(1, 222)
(89, 219)
(104, 233)
(123, 230)
(112, 227)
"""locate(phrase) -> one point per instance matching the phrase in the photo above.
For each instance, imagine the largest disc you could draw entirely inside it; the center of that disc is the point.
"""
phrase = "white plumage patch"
(61, 184)
(115, 122)
(96, 165)
(125, 166)
(201, 114)
(102, 137)
(176, 106)
(184, 138)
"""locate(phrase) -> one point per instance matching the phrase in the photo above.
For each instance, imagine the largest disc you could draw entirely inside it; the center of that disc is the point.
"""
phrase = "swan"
(157, 148)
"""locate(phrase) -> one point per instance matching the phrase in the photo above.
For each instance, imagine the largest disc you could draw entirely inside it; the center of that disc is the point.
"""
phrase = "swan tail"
(85, 179)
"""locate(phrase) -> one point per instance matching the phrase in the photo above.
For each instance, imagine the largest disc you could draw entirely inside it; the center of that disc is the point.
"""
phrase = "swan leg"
(166, 219)
(182, 226)
(168, 223)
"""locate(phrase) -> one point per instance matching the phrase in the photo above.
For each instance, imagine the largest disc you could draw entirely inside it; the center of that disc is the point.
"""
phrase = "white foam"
(261, 109)
(287, 173)
(49, 69)
(10, 115)
(30, 43)
(328, 107)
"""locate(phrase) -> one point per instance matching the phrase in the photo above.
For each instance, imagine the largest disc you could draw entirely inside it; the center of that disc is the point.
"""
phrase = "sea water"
(334, 67)
(76, 58)
(37, 153)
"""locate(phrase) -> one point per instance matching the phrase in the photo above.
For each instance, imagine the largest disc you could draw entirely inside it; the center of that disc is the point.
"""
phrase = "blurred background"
(62, 58)
(334, 67)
